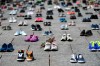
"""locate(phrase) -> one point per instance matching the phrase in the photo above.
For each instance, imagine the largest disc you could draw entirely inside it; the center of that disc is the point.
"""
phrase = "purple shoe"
(28, 38)
(34, 39)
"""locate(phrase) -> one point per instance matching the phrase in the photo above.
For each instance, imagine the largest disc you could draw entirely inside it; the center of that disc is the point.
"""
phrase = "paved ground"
(58, 58)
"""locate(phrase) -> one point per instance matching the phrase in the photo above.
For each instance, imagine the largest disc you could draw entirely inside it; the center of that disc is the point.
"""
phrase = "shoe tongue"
(80, 56)
(73, 56)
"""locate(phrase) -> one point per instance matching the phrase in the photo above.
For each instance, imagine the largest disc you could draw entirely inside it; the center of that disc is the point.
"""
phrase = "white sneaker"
(73, 23)
(91, 6)
(73, 58)
(14, 20)
(57, 7)
(69, 38)
(25, 23)
(10, 20)
(20, 23)
(67, 9)
(23, 33)
(17, 33)
(54, 47)
(47, 46)
(66, 27)
(64, 37)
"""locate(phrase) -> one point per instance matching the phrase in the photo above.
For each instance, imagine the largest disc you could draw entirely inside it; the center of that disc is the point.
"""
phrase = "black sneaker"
(47, 17)
(45, 23)
(33, 27)
(79, 14)
(49, 23)
(82, 33)
(51, 17)
(9, 28)
(21, 55)
(4, 27)
(88, 33)
(38, 27)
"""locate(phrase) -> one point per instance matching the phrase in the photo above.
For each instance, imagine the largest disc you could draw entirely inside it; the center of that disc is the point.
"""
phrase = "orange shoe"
(29, 55)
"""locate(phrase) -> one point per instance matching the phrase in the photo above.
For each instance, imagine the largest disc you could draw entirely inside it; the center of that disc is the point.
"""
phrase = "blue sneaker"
(93, 46)
(93, 26)
(80, 58)
(10, 47)
(46, 33)
(61, 19)
(96, 27)
(3, 48)
(98, 45)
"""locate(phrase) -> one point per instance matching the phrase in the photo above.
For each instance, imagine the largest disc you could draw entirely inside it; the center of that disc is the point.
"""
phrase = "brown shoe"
(29, 55)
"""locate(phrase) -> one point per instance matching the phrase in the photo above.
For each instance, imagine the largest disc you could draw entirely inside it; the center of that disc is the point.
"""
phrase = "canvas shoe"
(20, 23)
(73, 58)
(54, 47)
(64, 37)
(80, 58)
(23, 33)
(10, 20)
(47, 46)
(29, 55)
(20, 55)
(69, 38)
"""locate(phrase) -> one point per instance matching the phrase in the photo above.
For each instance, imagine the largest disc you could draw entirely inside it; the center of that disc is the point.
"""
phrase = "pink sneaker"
(28, 38)
(34, 39)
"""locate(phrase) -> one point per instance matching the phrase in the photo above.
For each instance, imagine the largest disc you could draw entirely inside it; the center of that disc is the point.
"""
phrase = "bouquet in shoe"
(50, 45)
